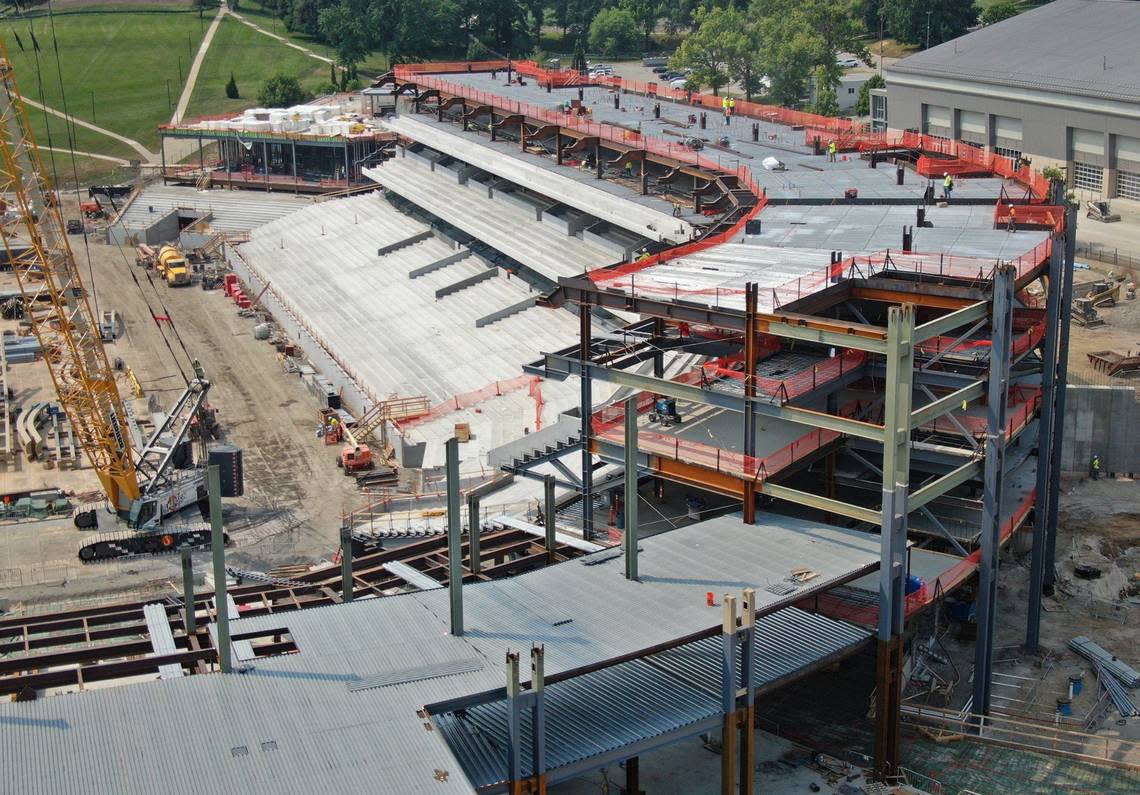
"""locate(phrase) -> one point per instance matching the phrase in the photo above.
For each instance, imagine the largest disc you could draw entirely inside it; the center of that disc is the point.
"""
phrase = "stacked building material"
(1114, 674)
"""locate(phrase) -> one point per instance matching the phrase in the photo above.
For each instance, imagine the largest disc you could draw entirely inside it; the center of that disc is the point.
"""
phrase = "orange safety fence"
(473, 398)
(1023, 403)
(1028, 323)
(933, 167)
(800, 383)
(1027, 215)
(836, 606)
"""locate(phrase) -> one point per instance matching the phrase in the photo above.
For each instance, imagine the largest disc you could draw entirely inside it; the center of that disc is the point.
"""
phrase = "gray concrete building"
(1059, 84)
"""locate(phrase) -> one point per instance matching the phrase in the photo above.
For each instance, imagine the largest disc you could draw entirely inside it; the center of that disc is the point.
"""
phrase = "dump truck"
(172, 266)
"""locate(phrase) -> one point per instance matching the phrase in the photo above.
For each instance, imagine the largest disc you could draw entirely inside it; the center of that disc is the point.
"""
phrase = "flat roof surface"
(321, 720)
(1082, 47)
(625, 210)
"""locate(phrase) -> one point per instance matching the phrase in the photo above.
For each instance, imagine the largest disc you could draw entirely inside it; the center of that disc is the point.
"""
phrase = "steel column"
(633, 776)
(996, 409)
(586, 407)
(629, 539)
(188, 610)
(751, 295)
(474, 530)
(1059, 387)
(748, 685)
(548, 513)
(538, 719)
(454, 539)
(728, 698)
(1047, 426)
(514, 724)
(218, 547)
(892, 561)
(346, 562)
(659, 354)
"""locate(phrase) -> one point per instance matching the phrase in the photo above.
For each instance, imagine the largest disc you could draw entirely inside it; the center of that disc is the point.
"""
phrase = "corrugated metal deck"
(292, 723)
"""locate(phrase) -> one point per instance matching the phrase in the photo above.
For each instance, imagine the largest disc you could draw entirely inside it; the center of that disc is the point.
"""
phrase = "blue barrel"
(913, 583)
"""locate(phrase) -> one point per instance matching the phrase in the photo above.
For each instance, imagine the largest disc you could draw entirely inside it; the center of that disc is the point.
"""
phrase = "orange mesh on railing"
(1047, 215)
(1023, 403)
(797, 384)
(837, 607)
(468, 399)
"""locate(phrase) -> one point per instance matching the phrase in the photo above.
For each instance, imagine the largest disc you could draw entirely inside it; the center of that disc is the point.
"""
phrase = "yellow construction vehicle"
(172, 266)
(138, 474)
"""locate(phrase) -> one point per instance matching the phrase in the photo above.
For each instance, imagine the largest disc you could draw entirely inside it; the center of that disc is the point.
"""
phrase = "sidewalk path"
(282, 39)
(133, 144)
(192, 77)
(116, 160)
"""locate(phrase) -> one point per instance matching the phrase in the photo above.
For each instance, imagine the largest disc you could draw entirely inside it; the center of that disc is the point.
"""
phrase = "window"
(1128, 185)
(1086, 177)
(1013, 154)
(850, 91)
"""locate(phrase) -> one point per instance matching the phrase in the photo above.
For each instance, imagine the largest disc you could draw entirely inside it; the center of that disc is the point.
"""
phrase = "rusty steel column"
(633, 776)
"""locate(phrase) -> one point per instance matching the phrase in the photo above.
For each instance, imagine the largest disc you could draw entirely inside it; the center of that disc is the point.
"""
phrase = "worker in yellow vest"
(724, 107)
(832, 149)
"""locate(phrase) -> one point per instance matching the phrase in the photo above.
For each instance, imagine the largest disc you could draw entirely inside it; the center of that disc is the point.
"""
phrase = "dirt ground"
(294, 493)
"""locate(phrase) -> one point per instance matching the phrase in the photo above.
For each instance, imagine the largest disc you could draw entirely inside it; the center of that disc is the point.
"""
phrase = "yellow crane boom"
(56, 300)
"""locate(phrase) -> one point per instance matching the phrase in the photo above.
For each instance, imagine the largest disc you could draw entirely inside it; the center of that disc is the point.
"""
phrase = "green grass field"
(115, 68)
(255, 11)
(253, 58)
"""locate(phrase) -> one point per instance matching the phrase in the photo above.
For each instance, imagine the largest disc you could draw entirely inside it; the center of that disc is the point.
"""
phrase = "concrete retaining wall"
(1105, 421)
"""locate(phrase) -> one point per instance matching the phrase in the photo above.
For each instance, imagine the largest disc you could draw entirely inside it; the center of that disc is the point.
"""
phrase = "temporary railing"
(466, 400)
(1028, 324)
(1023, 404)
(796, 385)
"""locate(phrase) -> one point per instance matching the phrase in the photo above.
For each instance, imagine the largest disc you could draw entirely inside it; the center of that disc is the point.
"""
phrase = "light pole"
(928, 29)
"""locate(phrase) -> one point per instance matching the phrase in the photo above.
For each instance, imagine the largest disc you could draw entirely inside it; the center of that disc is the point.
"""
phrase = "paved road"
(192, 77)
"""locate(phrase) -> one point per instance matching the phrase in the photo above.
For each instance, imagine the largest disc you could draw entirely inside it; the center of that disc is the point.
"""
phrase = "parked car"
(660, 70)
(847, 62)
(680, 82)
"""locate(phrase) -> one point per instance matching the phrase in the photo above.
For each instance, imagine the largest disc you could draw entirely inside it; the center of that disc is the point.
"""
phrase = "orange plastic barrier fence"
(1027, 215)
(793, 386)
(1022, 408)
(468, 399)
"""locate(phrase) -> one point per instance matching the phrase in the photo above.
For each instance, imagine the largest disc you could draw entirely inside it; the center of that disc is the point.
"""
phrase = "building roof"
(340, 714)
(230, 210)
(1080, 47)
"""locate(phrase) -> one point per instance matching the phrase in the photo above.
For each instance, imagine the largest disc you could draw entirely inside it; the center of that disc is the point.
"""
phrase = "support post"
(558, 148)
(296, 185)
(162, 156)
(548, 512)
(997, 396)
(346, 562)
(265, 163)
(454, 539)
(218, 547)
(748, 685)
(474, 530)
(751, 297)
(189, 619)
(633, 776)
(728, 698)
(644, 178)
(586, 405)
(892, 550)
(629, 539)
(1060, 385)
(1047, 426)
(538, 719)
(659, 355)
(598, 160)
(514, 725)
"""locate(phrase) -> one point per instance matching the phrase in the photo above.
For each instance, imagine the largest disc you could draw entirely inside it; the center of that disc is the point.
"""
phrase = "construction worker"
(1011, 226)
(1094, 467)
(731, 107)
(832, 149)
(724, 107)
(947, 185)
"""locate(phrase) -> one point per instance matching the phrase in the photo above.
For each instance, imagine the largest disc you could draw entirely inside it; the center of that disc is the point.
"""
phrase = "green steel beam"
(968, 471)
(951, 321)
(825, 504)
(558, 363)
(824, 337)
(946, 403)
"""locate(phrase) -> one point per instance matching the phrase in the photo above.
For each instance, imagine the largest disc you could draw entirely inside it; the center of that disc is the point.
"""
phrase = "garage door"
(1128, 185)
(938, 120)
(1007, 132)
(972, 126)
(1086, 177)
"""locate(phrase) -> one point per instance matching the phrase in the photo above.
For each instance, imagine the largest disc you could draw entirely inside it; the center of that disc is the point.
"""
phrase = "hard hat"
(945, 173)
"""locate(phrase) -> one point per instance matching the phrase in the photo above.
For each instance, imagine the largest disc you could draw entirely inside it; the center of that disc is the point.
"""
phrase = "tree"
(717, 42)
(1004, 9)
(909, 20)
(613, 32)
(232, 88)
(679, 15)
(646, 12)
(332, 73)
(799, 36)
(863, 103)
(281, 91)
(826, 102)
(349, 27)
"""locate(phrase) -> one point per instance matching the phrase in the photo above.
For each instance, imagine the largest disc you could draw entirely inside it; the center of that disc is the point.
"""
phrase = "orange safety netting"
(1027, 215)
(795, 385)
(467, 400)
(1028, 323)
(1023, 404)
(836, 606)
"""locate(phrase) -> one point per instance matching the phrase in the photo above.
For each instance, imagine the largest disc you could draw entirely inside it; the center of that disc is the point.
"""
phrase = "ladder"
(393, 409)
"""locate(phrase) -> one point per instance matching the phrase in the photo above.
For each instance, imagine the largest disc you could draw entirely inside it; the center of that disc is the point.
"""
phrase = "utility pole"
(169, 102)
(928, 29)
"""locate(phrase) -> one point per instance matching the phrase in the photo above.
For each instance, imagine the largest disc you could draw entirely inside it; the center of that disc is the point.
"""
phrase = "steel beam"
(218, 546)
(514, 724)
(629, 538)
(558, 364)
(549, 513)
(951, 321)
(188, 607)
(955, 477)
(750, 302)
(748, 685)
(997, 407)
(728, 698)
(454, 537)
(586, 407)
(945, 404)
(538, 718)
(346, 562)
(1060, 386)
(1047, 427)
(825, 504)
(474, 531)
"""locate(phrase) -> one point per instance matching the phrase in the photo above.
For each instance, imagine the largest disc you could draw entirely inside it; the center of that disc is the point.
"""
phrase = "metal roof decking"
(292, 724)
(592, 719)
